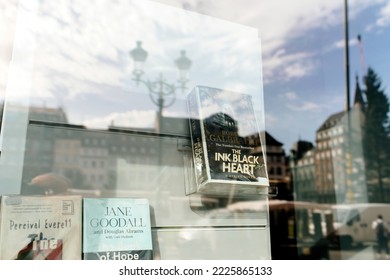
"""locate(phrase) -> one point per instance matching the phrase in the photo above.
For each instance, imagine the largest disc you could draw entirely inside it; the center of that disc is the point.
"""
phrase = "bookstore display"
(227, 148)
(69, 227)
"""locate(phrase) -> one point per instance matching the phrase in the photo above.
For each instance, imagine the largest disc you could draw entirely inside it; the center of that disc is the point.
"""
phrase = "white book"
(40, 227)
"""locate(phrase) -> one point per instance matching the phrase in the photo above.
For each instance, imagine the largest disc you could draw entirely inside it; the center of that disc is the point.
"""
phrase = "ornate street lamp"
(183, 63)
(139, 56)
(160, 90)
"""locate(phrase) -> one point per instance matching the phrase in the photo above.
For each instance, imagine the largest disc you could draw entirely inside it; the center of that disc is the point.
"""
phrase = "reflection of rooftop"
(48, 114)
(331, 121)
(135, 130)
(300, 148)
(270, 140)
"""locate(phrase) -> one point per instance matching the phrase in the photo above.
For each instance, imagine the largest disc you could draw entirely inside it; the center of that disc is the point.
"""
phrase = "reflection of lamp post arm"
(159, 91)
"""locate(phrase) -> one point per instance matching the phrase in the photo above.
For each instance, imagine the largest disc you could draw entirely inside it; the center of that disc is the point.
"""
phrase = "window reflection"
(86, 111)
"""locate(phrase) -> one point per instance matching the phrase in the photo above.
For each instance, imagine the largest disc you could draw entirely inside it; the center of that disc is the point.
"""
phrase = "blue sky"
(82, 55)
(310, 44)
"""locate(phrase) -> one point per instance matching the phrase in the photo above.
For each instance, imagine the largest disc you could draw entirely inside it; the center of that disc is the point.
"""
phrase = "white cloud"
(341, 44)
(278, 24)
(294, 102)
(384, 14)
(271, 119)
(89, 53)
(84, 53)
(299, 69)
(95, 34)
(8, 11)
(284, 66)
(305, 106)
(289, 96)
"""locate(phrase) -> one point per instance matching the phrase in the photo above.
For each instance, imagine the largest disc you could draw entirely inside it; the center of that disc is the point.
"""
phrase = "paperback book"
(117, 229)
(40, 227)
(228, 152)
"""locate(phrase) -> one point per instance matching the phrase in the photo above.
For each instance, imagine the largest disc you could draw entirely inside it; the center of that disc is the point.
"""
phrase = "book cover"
(117, 229)
(40, 227)
(226, 143)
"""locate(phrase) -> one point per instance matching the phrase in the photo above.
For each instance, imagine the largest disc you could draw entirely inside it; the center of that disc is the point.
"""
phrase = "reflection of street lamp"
(159, 89)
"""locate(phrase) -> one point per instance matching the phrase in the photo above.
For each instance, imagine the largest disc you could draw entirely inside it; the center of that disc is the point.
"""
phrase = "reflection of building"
(334, 170)
(173, 126)
(339, 161)
(134, 158)
(94, 159)
(276, 159)
(53, 115)
(278, 171)
(40, 145)
(329, 138)
(89, 157)
(302, 169)
(299, 149)
(119, 157)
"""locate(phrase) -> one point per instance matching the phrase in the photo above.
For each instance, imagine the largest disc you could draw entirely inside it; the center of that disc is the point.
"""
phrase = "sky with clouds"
(81, 59)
